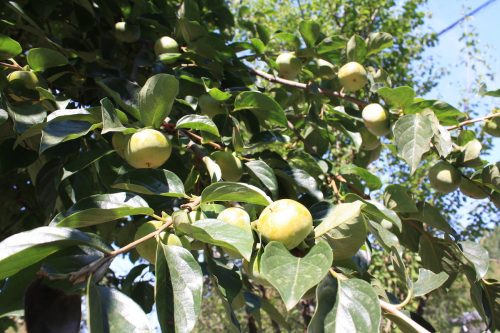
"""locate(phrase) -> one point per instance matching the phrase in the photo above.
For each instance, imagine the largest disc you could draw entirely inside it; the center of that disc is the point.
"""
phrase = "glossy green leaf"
(376, 211)
(377, 41)
(178, 288)
(198, 122)
(227, 278)
(396, 198)
(101, 208)
(263, 106)
(431, 215)
(26, 248)
(112, 311)
(219, 95)
(413, 134)
(331, 44)
(117, 90)
(230, 191)
(385, 237)
(310, 32)
(447, 114)
(56, 132)
(477, 256)
(428, 281)
(110, 120)
(372, 181)
(156, 99)
(219, 233)
(436, 256)
(151, 182)
(345, 306)
(9, 48)
(83, 160)
(398, 97)
(41, 59)
(340, 214)
(356, 49)
(293, 276)
(265, 174)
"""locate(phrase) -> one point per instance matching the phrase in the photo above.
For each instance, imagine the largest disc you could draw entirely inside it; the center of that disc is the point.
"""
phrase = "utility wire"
(451, 26)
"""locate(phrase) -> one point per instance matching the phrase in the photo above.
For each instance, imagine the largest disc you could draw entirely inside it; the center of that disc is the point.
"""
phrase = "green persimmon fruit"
(173, 239)
(230, 165)
(25, 79)
(147, 249)
(491, 175)
(147, 148)
(119, 142)
(326, 70)
(235, 216)
(444, 177)
(376, 120)
(289, 65)
(352, 76)
(209, 106)
(126, 32)
(166, 44)
(368, 140)
(473, 190)
(286, 221)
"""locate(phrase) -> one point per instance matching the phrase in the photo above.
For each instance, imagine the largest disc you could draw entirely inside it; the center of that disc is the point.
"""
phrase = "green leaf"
(477, 256)
(345, 306)
(310, 32)
(26, 248)
(399, 96)
(386, 238)
(447, 114)
(102, 208)
(356, 49)
(110, 121)
(9, 48)
(83, 160)
(219, 95)
(156, 99)
(113, 91)
(293, 276)
(483, 91)
(151, 182)
(436, 256)
(413, 134)
(396, 198)
(375, 210)
(3, 116)
(112, 311)
(230, 191)
(41, 59)
(198, 122)
(57, 132)
(179, 285)
(340, 214)
(431, 215)
(331, 44)
(227, 277)
(377, 41)
(372, 181)
(274, 314)
(219, 233)
(258, 45)
(428, 281)
(263, 106)
(265, 174)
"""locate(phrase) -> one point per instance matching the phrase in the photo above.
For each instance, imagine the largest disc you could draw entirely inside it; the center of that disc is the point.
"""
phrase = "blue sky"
(447, 53)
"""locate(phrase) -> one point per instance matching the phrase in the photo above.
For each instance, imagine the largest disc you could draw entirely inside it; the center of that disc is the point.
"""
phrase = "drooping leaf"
(396, 197)
(375, 211)
(413, 134)
(223, 234)
(265, 174)
(156, 98)
(102, 208)
(179, 285)
(356, 49)
(477, 256)
(377, 41)
(151, 182)
(294, 276)
(345, 306)
(230, 191)
(110, 120)
(428, 281)
(198, 122)
(264, 107)
(310, 32)
(56, 132)
(83, 160)
(41, 59)
(9, 48)
(26, 248)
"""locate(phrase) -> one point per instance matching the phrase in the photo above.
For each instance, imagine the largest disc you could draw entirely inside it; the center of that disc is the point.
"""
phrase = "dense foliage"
(230, 156)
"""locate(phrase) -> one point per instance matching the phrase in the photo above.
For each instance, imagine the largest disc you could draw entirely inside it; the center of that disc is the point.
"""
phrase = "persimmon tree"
(147, 129)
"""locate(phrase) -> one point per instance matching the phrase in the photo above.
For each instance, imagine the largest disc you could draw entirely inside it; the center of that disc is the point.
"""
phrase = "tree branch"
(16, 66)
(471, 121)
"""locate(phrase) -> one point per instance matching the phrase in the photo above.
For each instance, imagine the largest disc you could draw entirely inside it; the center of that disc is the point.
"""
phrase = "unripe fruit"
(119, 142)
(166, 44)
(352, 76)
(444, 177)
(470, 189)
(209, 106)
(326, 70)
(368, 140)
(491, 175)
(147, 148)
(235, 216)
(196, 215)
(126, 32)
(147, 249)
(26, 79)
(492, 126)
(375, 119)
(230, 165)
(173, 239)
(286, 221)
(289, 65)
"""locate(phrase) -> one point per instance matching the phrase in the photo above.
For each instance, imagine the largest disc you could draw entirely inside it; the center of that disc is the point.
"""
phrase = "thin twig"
(304, 86)
(199, 139)
(471, 121)
(333, 185)
(16, 66)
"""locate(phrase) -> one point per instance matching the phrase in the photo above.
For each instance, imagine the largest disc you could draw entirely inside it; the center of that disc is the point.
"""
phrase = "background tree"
(159, 129)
